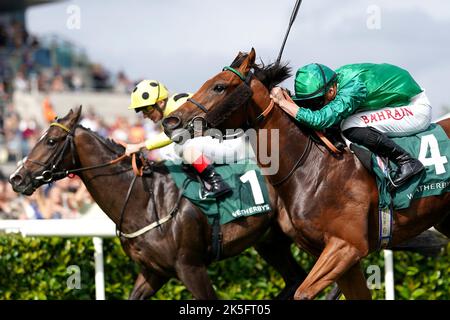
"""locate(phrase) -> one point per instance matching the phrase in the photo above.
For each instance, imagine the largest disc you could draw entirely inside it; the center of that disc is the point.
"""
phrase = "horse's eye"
(219, 88)
(51, 142)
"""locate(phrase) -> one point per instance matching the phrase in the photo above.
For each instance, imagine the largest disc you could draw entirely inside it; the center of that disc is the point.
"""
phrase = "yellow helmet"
(175, 101)
(147, 93)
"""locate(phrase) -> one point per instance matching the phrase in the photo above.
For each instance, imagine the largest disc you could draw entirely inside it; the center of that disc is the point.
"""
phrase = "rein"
(299, 162)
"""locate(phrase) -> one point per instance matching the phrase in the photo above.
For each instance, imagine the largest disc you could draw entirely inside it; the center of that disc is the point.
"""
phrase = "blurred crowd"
(64, 199)
(25, 66)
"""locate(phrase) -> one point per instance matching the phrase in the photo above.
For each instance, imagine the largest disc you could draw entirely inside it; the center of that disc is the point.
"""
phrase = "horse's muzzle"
(22, 184)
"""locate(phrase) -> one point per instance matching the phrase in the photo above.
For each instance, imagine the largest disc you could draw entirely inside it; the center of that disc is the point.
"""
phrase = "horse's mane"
(270, 75)
(158, 166)
(110, 143)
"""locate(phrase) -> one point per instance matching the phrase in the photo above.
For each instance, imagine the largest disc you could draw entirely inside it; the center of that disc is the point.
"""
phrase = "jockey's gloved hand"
(133, 148)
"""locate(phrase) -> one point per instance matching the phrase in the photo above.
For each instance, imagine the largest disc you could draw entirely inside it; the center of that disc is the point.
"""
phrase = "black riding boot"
(217, 186)
(380, 144)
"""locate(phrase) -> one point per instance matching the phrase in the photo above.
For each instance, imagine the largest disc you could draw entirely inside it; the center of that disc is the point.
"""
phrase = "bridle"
(212, 119)
(51, 172)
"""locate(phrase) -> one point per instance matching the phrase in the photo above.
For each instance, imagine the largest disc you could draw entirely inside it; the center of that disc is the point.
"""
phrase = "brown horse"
(180, 247)
(332, 200)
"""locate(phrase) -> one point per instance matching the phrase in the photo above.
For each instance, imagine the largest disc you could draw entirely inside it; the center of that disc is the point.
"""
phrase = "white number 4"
(435, 159)
(250, 176)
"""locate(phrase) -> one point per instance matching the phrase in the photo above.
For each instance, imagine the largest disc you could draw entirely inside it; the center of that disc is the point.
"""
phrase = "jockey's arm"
(346, 102)
(161, 140)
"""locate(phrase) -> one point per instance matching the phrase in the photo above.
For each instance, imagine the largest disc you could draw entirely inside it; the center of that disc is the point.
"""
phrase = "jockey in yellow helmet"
(152, 98)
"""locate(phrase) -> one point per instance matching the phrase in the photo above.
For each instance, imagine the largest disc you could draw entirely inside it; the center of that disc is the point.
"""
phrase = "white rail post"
(389, 275)
(99, 273)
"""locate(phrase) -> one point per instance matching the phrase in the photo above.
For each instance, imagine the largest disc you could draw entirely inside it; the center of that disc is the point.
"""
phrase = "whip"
(291, 22)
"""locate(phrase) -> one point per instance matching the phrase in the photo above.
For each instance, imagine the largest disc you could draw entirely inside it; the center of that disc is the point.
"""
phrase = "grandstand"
(47, 74)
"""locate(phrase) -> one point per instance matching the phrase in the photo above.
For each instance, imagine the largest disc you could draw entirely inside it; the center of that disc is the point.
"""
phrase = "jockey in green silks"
(370, 102)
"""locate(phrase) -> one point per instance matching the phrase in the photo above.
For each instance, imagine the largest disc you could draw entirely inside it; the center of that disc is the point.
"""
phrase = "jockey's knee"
(191, 154)
(362, 135)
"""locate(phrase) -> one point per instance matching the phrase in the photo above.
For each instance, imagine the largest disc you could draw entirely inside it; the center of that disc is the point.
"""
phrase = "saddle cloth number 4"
(429, 142)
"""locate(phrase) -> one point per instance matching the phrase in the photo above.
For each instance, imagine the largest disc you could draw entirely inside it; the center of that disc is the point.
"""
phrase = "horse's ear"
(248, 62)
(77, 112)
(74, 116)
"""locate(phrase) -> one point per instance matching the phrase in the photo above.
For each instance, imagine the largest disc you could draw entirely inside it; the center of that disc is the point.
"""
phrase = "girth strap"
(217, 238)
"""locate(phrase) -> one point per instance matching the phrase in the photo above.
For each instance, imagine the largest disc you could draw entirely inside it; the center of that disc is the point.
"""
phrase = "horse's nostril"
(15, 180)
(171, 123)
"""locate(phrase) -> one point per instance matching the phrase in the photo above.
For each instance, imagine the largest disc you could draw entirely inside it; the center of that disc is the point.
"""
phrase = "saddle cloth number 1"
(250, 176)
(429, 142)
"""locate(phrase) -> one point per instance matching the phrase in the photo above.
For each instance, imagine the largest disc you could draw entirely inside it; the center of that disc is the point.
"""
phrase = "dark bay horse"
(332, 200)
(181, 247)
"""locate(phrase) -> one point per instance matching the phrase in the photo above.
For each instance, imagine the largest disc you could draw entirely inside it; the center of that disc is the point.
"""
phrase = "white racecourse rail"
(103, 228)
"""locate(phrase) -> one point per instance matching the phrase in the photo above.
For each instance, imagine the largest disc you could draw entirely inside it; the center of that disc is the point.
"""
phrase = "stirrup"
(392, 186)
(208, 194)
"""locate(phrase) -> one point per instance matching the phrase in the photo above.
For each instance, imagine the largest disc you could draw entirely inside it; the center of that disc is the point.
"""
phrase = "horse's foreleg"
(353, 284)
(146, 286)
(276, 250)
(196, 280)
(336, 259)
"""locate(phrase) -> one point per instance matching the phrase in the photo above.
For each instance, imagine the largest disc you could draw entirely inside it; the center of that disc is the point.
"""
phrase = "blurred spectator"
(58, 84)
(123, 84)
(66, 199)
(47, 109)
(20, 82)
(74, 80)
(90, 120)
(136, 133)
(120, 129)
(13, 136)
(11, 207)
(100, 77)
(33, 206)
(19, 34)
(3, 36)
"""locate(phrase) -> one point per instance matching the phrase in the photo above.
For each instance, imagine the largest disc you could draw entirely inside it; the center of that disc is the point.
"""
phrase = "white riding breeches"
(395, 121)
(227, 151)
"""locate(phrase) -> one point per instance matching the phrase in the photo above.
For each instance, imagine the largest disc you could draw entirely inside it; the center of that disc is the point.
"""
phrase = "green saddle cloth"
(432, 148)
(249, 196)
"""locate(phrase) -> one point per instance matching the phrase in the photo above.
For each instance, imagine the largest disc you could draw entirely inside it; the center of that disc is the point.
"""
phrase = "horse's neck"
(286, 145)
(108, 185)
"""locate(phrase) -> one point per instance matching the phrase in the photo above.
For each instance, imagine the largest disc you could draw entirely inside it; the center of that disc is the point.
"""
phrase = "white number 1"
(250, 176)
(435, 159)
